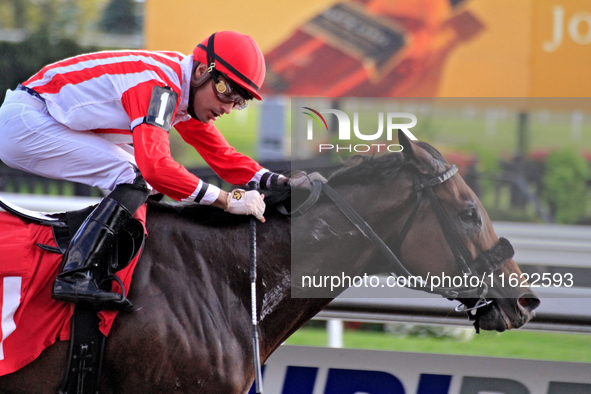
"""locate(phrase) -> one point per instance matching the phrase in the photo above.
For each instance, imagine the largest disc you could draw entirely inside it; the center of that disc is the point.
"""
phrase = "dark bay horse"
(190, 328)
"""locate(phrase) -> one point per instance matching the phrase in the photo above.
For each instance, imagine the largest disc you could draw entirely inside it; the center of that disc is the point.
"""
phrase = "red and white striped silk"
(107, 90)
(109, 93)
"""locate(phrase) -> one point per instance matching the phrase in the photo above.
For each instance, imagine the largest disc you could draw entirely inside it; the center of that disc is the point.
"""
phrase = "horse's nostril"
(529, 303)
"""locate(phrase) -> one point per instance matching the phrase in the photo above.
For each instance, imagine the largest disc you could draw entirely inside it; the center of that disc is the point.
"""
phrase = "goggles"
(224, 93)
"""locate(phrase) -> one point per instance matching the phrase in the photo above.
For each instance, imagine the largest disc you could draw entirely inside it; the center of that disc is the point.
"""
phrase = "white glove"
(241, 202)
(303, 180)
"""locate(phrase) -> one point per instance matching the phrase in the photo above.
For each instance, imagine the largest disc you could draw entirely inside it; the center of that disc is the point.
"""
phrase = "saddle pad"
(31, 319)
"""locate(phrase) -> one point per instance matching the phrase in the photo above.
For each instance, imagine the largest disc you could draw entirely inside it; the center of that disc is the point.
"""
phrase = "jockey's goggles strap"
(225, 92)
(222, 89)
(196, 82)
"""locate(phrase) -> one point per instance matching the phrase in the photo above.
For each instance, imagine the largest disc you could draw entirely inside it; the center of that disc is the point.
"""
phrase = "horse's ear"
(418, 156)
(405, 142)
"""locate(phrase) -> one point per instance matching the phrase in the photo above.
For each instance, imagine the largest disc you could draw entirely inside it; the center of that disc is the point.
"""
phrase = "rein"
(487, 262)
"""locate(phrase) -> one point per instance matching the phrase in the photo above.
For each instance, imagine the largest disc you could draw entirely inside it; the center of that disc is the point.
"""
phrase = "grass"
(512, 344)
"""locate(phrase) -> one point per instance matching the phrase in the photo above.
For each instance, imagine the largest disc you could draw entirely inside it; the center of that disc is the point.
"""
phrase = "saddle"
(87, 343)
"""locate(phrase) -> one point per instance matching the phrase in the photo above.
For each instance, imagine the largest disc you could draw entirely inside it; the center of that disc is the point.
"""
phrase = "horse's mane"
(369, 169)
(356, 170)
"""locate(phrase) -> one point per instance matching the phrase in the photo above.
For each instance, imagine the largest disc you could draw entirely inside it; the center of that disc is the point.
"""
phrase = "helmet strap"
(211, 71)
(190, 108)
(211, 60)
(195, 83)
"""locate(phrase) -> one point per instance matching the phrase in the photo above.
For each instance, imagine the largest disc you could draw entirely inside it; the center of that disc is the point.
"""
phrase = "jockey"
(75, 120)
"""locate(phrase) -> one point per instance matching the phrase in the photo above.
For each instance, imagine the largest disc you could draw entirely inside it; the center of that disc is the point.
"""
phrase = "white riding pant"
(32, 140)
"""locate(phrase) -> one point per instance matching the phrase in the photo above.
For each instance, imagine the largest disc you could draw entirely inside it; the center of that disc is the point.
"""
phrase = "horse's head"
(425, 224)
(452, 233)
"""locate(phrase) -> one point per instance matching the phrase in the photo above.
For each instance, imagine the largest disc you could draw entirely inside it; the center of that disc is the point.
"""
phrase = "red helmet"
(237, 56)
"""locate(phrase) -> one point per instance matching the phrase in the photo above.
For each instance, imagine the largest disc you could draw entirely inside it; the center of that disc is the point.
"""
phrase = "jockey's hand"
(303, 180)
(241, 202)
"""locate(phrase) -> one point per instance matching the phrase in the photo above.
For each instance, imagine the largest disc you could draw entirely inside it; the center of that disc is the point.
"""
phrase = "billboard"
(386, 48)
(307, 370)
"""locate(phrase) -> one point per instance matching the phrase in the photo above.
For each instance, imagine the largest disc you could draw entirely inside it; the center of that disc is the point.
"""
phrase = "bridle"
(486, 263)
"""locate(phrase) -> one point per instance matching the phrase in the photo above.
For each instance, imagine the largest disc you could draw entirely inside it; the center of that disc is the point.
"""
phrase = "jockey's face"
(206, 103)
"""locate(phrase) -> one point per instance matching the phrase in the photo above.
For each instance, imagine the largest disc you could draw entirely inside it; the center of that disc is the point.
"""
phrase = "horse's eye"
(469, 216)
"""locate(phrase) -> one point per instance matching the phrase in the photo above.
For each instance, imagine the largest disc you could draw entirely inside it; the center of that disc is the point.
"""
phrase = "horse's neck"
(322, 238)
(216, 261)
(324, 243)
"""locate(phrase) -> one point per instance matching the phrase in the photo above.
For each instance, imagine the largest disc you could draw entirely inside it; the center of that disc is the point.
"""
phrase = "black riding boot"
(91, 245)
(89, 249)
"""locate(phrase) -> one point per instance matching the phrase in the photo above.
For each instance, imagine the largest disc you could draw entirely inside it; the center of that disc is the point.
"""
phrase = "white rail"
(548, 244)
(561, 310)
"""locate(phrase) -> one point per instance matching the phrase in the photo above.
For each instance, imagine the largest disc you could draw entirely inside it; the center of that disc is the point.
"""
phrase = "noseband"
(486, 263)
